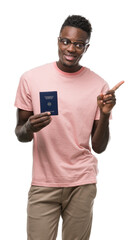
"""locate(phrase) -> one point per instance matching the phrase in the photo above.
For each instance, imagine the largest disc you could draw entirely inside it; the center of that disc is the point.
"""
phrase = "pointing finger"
(117, 86)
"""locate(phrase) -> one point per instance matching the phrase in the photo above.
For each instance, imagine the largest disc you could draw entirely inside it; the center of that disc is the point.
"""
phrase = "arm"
(100, 130)
(27, 124)
(100, 134)
(22, 132)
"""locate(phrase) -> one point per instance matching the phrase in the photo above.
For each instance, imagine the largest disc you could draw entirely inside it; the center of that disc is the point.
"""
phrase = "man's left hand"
(107, 101)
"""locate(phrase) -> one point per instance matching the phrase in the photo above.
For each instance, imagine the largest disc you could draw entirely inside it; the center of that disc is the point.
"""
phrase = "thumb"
(100, 97)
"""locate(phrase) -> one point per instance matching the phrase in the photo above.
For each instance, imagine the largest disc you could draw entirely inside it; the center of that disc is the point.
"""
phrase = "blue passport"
(49, 102)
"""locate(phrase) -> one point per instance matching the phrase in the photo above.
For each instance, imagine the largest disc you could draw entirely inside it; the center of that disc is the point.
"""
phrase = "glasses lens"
(79, 45)
(64, 41)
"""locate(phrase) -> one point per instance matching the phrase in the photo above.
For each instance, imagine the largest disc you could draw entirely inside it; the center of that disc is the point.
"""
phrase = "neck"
(67, 69)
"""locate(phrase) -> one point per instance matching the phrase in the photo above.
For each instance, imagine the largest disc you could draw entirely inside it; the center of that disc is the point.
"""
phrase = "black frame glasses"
(78, 45)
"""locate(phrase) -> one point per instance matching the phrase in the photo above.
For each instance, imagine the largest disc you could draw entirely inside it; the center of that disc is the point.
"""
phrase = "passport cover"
(49, 102)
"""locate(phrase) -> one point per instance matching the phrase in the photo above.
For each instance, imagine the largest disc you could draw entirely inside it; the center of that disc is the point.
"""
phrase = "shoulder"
(95, 78)
(36, 71)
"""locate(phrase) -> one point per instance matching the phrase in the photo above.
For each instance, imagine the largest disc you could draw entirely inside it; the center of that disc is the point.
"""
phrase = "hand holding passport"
(49, 106)
(36, 122)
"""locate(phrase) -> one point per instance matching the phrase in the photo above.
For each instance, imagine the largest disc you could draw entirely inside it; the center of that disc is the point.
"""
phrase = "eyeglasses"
(67, 42)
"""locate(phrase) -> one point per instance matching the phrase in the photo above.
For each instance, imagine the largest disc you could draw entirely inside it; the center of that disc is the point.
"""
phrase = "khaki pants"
(73, 204)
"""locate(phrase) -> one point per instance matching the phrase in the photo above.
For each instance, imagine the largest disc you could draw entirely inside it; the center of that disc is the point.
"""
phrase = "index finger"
(117, 86)
(43, 114)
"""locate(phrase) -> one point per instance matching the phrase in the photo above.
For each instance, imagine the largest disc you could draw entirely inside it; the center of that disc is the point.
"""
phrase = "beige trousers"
(73, 204)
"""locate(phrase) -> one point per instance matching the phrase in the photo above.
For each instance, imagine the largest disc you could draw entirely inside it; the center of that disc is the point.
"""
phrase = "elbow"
(99, 149)
(18, 135)
(21, 138)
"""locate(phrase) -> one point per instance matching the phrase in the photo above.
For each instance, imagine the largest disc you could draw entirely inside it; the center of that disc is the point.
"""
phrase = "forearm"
(101, 135)
(23, 133)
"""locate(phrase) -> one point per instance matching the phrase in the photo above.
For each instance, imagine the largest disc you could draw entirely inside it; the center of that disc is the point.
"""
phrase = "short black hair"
(78, 22)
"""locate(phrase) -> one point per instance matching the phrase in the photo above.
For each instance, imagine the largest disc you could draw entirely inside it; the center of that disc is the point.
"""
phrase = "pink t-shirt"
(62, 156)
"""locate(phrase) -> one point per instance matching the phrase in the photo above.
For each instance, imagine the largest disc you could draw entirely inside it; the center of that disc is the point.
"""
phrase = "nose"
(71, 48)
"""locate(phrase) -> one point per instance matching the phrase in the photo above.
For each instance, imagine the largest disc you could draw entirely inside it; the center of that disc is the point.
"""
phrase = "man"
(64, 168)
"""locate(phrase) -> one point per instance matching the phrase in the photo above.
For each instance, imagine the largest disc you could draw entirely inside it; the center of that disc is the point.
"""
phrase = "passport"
(49, 102)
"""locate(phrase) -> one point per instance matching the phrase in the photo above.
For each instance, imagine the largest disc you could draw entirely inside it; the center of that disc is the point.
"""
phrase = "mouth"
(69, 58)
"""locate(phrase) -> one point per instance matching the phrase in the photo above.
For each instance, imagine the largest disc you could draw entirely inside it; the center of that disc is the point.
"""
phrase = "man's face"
(71, 53)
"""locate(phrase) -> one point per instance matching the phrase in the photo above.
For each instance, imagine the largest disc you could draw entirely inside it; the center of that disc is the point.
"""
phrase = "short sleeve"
(23, 97)
(104, 91)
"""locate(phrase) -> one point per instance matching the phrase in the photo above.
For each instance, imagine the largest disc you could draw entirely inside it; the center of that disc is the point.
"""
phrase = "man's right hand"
(36, 122)
(27, 124)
